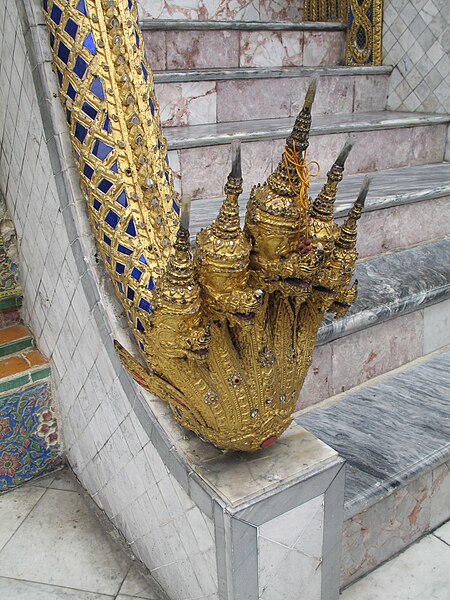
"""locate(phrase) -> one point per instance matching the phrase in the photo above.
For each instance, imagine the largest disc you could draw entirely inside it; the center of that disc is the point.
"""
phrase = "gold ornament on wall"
(226, 331)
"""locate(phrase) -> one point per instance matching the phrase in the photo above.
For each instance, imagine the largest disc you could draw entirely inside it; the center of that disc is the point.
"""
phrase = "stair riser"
(197, 103)
(201, 172)
(342, 364)
(378, 533)
(223, 10)
(229, 49)
(402, 226)
(9, 317)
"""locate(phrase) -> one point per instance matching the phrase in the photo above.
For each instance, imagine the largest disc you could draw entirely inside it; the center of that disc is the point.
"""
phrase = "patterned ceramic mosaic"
(29, 444)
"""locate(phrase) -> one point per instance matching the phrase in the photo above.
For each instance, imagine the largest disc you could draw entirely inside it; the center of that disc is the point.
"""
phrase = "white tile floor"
(52, 547)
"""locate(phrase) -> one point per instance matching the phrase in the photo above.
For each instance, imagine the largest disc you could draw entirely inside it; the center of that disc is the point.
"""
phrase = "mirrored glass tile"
(104, 186)
(115, 168)
(122, 199)
(81, 7)
(71, 91)
(136, 274)
(56, 14)
(97, 88)
(107, 125)
(112, 219)
(89, 44)
(101, 150)
(88, 171)
(120, 268)
(80, 67)
(145, 305)
(130, 293)
(124, 250)
(71, 28)
(97, 205)
(106, 239)
(142, 260)
(89, 110)
(131, 228)
(80, 132)
(63, 52)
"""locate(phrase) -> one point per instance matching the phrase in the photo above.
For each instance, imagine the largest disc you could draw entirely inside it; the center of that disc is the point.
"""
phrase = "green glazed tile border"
(16, 346)
(41, 374)
(14, 302)
(6, 386)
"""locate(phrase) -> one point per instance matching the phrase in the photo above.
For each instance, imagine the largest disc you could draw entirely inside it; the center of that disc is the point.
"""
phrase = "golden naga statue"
(226, 334)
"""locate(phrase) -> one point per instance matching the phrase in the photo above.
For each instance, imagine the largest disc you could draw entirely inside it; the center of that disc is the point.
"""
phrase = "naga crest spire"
(226, 331)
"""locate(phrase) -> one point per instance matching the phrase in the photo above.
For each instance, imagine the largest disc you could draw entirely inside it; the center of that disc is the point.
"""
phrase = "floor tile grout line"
(123, 581)
(62, 587)
(440, 539)
(20, 524)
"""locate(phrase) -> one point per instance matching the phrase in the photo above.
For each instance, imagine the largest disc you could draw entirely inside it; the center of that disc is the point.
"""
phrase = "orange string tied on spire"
(303, 170)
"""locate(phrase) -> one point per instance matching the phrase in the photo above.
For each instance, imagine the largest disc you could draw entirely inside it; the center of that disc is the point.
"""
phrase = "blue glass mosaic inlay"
(120, 268)
(88, 171)
(80, 132)
(122, 199)
(97, 205)
(71, 91)
(124, 250)
(112, 219)
(97, 88)
(136, 274)
(145, 305)
(81, 7)
(80, 67)
(139, 325)
(56, 14)
(89, 44)
(71, 28)
(101, 150)
(89, 110)
(63, 52)
(130, 294)
(131, 228)
(104, 186)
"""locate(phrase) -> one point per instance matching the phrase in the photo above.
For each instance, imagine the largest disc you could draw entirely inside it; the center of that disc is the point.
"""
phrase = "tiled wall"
(106, 444)
(416, 41)
(223, 10)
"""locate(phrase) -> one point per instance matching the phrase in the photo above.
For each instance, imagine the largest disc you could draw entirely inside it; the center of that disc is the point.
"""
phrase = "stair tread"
(13, 333)
(223, 133)
(148, 24)
(391, 187)
(173, 76)
(13, 366)
(390, 432)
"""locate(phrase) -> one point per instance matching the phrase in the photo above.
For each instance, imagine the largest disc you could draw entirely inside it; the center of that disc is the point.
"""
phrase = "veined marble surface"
(389, 433)
(261, 129)
(182, 25)
(392, 187)
(266, 73)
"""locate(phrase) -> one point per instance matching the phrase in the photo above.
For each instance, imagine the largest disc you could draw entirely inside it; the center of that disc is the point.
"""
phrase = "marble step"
(22, 369)
(402, 313)
(224, 44)
(200, 155)
(397, 201)
(202, 96)
(395, 436)
(14, 339)
(222, 10)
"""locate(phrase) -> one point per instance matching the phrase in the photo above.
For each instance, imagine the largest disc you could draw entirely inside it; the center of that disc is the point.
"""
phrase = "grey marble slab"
(388, 188)
(394, 284)
(265, 73)
(180, 25)
(224, 133)
(389, 433)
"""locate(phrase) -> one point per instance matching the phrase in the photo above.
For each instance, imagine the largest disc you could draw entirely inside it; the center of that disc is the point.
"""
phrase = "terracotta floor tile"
(11, 366)
(10, 334)
(35, 358)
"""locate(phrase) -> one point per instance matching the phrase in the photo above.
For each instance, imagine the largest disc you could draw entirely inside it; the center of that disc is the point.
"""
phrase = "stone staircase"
(381, 373)
(29, 441)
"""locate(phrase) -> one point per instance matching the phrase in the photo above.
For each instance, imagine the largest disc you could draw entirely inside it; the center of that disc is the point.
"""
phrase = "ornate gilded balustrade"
(364, 21)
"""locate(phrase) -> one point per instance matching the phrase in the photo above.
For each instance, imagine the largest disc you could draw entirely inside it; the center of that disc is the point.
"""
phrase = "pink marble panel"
(370, 92)
(246, 10)
(385, 528)
(323, 48)
(155, 49)
(242, 100)
(281, 10)
(325, 149)
(175, 165)
(428, 144)
(191, 103)
(202, 49)
(205, 169)
(317, 384)
(334, 96)
(377, 350)
(440, 495)
(382, 149)
(271, 49)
